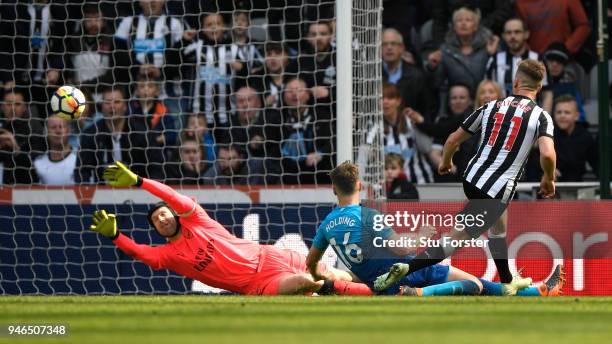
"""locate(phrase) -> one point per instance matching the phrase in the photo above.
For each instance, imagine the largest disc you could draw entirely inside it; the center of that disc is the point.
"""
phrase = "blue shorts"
(435, 274)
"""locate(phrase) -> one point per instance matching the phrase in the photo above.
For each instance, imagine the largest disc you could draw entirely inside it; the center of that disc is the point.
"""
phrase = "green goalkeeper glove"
(105, 224)
(118, 174)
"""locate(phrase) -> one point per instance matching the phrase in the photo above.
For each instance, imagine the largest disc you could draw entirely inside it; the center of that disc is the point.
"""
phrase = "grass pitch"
(318, 320)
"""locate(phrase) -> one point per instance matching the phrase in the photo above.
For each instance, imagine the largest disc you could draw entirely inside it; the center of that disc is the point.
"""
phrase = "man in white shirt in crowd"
(56, 166)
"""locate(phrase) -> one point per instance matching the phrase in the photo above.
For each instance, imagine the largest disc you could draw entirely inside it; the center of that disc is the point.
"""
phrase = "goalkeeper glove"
(118, 174)
(105, 224)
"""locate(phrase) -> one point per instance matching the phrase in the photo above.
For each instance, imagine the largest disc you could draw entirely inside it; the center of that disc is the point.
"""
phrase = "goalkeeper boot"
(396, 273)
(518, 283)
(554, 285)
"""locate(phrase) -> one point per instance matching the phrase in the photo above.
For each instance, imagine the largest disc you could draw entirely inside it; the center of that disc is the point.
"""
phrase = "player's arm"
(548, 162)
(548, 156)
(119, 175)
(312, 263)
(470, 125)
(106, 224)
(450, 148)
(319, 245)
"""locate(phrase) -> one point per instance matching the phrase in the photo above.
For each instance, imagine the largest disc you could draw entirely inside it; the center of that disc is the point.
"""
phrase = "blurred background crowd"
(243, 92)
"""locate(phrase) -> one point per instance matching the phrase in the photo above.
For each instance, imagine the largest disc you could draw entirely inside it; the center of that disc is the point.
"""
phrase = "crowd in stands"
(182, 92)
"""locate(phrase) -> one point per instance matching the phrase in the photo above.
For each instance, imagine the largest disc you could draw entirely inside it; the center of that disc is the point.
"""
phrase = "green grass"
(317, 320)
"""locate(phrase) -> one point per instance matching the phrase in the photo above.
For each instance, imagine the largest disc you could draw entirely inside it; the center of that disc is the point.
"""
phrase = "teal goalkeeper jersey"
(349, 230)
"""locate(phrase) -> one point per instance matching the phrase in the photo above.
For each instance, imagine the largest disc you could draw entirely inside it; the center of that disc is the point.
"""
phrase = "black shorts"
(483, 206)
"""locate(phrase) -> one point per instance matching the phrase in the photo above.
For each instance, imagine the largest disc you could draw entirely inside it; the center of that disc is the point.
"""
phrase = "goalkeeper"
(202, 249)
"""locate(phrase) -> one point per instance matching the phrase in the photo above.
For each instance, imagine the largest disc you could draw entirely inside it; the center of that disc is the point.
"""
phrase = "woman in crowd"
(463, 55)
(403, 138)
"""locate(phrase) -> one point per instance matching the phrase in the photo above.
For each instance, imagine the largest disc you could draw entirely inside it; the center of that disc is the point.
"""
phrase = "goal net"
(230, 102)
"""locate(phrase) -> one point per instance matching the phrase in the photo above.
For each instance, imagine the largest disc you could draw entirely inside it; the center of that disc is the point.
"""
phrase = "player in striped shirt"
(202, 249)
(509, 128)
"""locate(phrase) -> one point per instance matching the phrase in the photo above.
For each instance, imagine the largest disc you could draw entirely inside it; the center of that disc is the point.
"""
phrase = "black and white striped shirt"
(416, 165)
(148, 38)
(214, 79)
(502, 68)
(40, 18)
(249, 54)
(509, 127)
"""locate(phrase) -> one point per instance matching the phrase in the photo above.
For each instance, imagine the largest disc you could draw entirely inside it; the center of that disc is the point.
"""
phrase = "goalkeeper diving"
(200, 248)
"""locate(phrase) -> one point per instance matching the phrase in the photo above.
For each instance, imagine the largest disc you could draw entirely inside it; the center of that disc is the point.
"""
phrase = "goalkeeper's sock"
(495, 289)
(499, 251)
(451, 288)
(344, 288)
(327, 288)
(352, 288)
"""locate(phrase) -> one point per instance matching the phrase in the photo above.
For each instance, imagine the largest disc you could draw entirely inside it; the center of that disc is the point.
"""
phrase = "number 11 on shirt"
(515, 125)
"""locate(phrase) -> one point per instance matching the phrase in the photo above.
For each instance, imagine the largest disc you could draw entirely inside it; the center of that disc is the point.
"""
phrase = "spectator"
(214, 62)
(148, 108)
(196, 126)
(307, 144)
(401, 137)
(270, 79)
(189, 10)
(460, 104)
(317, 63)
(573, 143)
(404, 16)
(554, 21)
(254, 129)
(502, 66)
(92, 60)
(32, 47)
(189, 164)
(57, 165)
(115, 137)
(233, 168)
(560, 78)
(397, 184)
(27, 131)
(87, 118)
(465, 51)
(154, 40)
(287, 18)
(247, 51)
(487, 91)
(409, 79)
(15, 165)
(494, 14)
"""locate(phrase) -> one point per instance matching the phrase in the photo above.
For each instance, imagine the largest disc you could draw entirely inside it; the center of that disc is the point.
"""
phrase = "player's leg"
(499, 247)
(285, 273)
(455, 274)
(551, 287)
(337, 274)
(340, 282)
(441, 281)
(488, 210)
(299, 284)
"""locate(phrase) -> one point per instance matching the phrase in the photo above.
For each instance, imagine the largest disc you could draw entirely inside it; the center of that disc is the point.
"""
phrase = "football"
(68, 102)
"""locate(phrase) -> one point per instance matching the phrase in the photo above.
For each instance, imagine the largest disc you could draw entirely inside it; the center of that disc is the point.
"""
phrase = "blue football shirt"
(349, 230)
